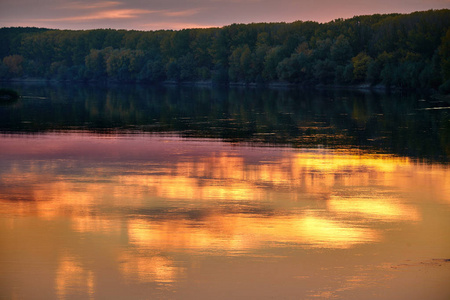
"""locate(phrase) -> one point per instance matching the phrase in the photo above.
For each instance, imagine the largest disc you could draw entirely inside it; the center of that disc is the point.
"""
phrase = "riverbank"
(211, 83)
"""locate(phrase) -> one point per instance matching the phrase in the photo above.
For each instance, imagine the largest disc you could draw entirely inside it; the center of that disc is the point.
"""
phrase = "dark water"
(409, 125)
(199, 193)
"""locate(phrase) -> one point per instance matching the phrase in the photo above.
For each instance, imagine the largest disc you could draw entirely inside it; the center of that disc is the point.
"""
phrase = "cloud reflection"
(239, 233)
(386, 209)
(72, 278)
(156, 202)
(149, 268)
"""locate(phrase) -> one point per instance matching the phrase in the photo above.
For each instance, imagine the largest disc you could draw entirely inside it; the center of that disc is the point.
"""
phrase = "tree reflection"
(393, 123)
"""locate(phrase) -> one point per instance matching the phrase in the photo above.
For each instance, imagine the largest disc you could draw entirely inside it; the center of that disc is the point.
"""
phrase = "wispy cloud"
(174, 25)
(91, 5)
(181, 13)
(103, 15)
(111, 10)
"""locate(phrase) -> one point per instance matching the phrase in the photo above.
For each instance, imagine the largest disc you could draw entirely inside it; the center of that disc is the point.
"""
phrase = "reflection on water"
(406, 125)
(160, 216)
(237, 233)
(146, 267)
(373, 207)
(72, 279)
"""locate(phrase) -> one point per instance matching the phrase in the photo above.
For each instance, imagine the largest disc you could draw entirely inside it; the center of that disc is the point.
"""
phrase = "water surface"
(150, 193)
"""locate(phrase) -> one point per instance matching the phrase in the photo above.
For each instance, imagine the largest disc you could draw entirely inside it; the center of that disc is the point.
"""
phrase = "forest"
(406, 51)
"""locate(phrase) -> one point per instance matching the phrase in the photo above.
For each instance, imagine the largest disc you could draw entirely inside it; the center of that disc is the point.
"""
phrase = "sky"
(176, 14)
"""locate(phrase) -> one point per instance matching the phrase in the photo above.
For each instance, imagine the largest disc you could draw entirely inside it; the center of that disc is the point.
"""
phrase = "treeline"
(393, 50)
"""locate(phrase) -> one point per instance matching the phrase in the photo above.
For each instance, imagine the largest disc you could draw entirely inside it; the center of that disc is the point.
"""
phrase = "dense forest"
(392, 50)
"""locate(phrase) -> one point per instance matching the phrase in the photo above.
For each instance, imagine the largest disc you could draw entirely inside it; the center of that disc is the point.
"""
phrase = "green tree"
(361, 64)
(95, 63)
(14, 64)
(444, 52)
(152, 72)
(325, 71)
(240, 63)
(273, 57)
(341, 51)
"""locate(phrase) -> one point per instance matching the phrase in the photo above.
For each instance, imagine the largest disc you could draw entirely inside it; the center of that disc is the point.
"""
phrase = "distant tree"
(240, 63)
(187, 67)
(152, 71)
(173, 70)
(3, 71)
(374, 71)
(295, 68)
(444, 52)
(361, 64)
(341, 51)
(96, 63)
(14, 63)
(399, 50)
(325, 71)
(273, 57)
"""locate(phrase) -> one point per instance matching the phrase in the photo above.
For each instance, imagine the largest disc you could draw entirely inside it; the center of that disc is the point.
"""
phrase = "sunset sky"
(176, 14)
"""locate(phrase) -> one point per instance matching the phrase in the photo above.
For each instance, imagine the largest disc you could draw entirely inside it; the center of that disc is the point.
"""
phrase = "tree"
(95, 63)
(341, 51)
(240, 63)
(273, 57)
(410, 50)
(444, 52)
(152, 71)
(324, 71)
(360, 66)
(295, 68)
(14, 64)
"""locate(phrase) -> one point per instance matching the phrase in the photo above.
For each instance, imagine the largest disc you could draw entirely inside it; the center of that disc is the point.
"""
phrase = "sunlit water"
(142, 216)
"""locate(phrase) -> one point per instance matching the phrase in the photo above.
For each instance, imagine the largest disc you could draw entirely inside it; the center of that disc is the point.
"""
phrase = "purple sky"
(176, 14)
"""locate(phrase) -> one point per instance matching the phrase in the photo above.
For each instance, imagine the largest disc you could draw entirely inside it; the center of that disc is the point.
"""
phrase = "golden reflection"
(226, 176)
(143, 222)
(386, 209)
(326, 233)
(95, 224)
(72, 278)
(178, 186)
(336, 162)
(218, 176)
(314, 182)
(149, 268)
(239, 232)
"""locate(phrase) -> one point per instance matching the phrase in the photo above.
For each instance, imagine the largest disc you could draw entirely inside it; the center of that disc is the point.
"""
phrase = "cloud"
(103, 15)
(174, 25)
(111, 10)
(90, 5)
(182, 13)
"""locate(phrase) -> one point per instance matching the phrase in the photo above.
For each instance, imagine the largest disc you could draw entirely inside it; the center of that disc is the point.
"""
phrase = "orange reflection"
(175, 187)
(239, 232)
(219, 176)
(227, 175)
(386, 209)
(95, 224)
(348, 162)
(321, 232)
(145, 217)
(72, 278)
(149, 268)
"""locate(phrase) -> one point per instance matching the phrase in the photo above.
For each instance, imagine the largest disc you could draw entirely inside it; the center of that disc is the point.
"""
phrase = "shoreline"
(240, 84)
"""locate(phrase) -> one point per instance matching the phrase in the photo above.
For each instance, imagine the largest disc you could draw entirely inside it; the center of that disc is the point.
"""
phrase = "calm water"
(198, 193)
